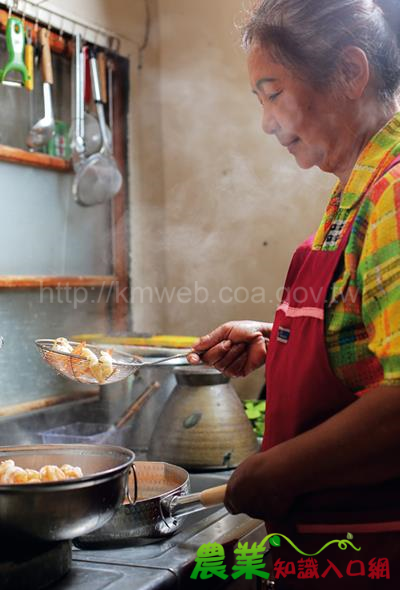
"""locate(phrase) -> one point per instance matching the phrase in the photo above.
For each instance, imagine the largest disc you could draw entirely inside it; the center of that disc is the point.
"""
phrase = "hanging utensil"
(15, 41)
(78, 368)
(110, 71)
(98, 179)
(93, 140)
(29, 60)
(162, 500)
(101, 65)
(43, 130)
(78, 123)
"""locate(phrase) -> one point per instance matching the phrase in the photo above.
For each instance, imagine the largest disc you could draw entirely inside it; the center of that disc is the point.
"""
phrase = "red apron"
(302, 392)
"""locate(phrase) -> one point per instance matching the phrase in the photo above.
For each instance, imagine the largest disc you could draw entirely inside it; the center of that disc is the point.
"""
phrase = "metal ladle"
(43, 130)
(97, 179)
(93, 139)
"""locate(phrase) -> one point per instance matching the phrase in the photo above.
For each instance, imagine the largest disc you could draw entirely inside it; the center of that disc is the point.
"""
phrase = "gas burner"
(33, 565)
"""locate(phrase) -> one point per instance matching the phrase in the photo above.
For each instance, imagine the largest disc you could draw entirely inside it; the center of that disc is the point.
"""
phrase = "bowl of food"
(58, 492)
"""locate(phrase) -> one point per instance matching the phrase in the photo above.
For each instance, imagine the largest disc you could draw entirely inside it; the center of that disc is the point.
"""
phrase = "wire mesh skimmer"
(81, 369)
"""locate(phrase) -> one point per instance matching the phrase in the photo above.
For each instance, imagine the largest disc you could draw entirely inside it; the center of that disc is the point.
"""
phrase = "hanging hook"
(84, 34)
(10, 6)
(61, 33)
(24, 14)
(37, 19)
(114, 44)
(49, 22)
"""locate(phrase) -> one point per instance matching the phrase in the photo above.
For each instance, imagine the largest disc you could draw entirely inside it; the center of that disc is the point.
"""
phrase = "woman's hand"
(235, 348)
(257, 488)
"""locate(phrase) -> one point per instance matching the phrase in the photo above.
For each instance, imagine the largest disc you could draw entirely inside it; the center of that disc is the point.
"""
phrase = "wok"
(60, 510)
(162, 496)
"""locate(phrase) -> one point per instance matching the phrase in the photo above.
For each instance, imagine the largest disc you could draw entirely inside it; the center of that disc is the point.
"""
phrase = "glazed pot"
(203, 425)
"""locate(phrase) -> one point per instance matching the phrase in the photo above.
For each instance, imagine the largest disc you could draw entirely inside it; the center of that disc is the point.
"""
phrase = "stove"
(165, 563)
(33, 566)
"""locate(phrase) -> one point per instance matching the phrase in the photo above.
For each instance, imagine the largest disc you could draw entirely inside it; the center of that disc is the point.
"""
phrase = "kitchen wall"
(147, 210)
(215, 204)
(236, 204)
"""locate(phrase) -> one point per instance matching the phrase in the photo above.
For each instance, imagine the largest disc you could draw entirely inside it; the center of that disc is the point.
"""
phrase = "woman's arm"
(358, 446)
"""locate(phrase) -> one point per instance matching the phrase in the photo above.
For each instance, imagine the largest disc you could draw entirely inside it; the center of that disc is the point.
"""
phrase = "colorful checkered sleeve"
(362, 315)
(379, 275)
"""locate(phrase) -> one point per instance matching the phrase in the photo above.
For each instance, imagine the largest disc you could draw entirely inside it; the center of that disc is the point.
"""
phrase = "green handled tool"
(15, 41)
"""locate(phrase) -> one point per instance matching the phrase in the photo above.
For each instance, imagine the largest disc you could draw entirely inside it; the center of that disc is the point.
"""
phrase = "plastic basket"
(83, 432)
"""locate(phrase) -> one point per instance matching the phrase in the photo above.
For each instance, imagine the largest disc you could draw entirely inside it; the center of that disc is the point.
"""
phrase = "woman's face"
(305, 121)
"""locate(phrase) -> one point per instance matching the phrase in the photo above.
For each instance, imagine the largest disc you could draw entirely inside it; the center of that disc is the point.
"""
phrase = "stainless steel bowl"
(55, 511)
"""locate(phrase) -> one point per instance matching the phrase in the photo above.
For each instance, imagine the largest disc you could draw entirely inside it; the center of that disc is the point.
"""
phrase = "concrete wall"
(215, 202)
(236, 204)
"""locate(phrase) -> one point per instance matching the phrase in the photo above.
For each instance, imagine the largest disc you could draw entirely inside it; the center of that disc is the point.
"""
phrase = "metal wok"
(162, 496)
(60, 510)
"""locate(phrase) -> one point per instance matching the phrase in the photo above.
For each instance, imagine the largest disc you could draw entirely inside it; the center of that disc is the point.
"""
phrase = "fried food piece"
(62, 345)
(60, 361)
(14, 474)
(51, 473)
(4, 465)
(81, 367)
(104, 368)
(71, 472)
(11, 473)
(88, 365)
(100, 368)
(33, 476)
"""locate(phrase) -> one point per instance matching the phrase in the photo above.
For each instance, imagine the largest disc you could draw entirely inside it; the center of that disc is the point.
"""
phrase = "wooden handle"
(47, 402)
(101, 66)
(137, 404)
(47, 68)
(213, 496)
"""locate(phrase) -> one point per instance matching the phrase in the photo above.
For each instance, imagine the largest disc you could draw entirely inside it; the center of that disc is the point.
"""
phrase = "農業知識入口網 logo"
(250, 562)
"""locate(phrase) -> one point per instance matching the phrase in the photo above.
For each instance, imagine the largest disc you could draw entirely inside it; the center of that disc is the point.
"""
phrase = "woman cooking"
(327, 76)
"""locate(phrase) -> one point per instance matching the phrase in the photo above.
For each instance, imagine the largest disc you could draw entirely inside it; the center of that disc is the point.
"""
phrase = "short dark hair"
(308, 36)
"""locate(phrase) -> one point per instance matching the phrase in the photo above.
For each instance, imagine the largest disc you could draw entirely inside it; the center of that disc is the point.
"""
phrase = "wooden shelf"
(36, 159)
(38, 282)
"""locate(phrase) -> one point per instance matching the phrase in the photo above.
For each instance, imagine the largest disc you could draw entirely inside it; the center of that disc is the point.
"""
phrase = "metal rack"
(61, 21)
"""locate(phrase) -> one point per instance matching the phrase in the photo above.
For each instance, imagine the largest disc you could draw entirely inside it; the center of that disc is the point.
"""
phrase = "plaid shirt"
(362, 316)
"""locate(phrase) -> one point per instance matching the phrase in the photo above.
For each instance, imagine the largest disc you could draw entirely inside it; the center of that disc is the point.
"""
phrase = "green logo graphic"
(210, 562)
(249, 560)
(275, 541)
